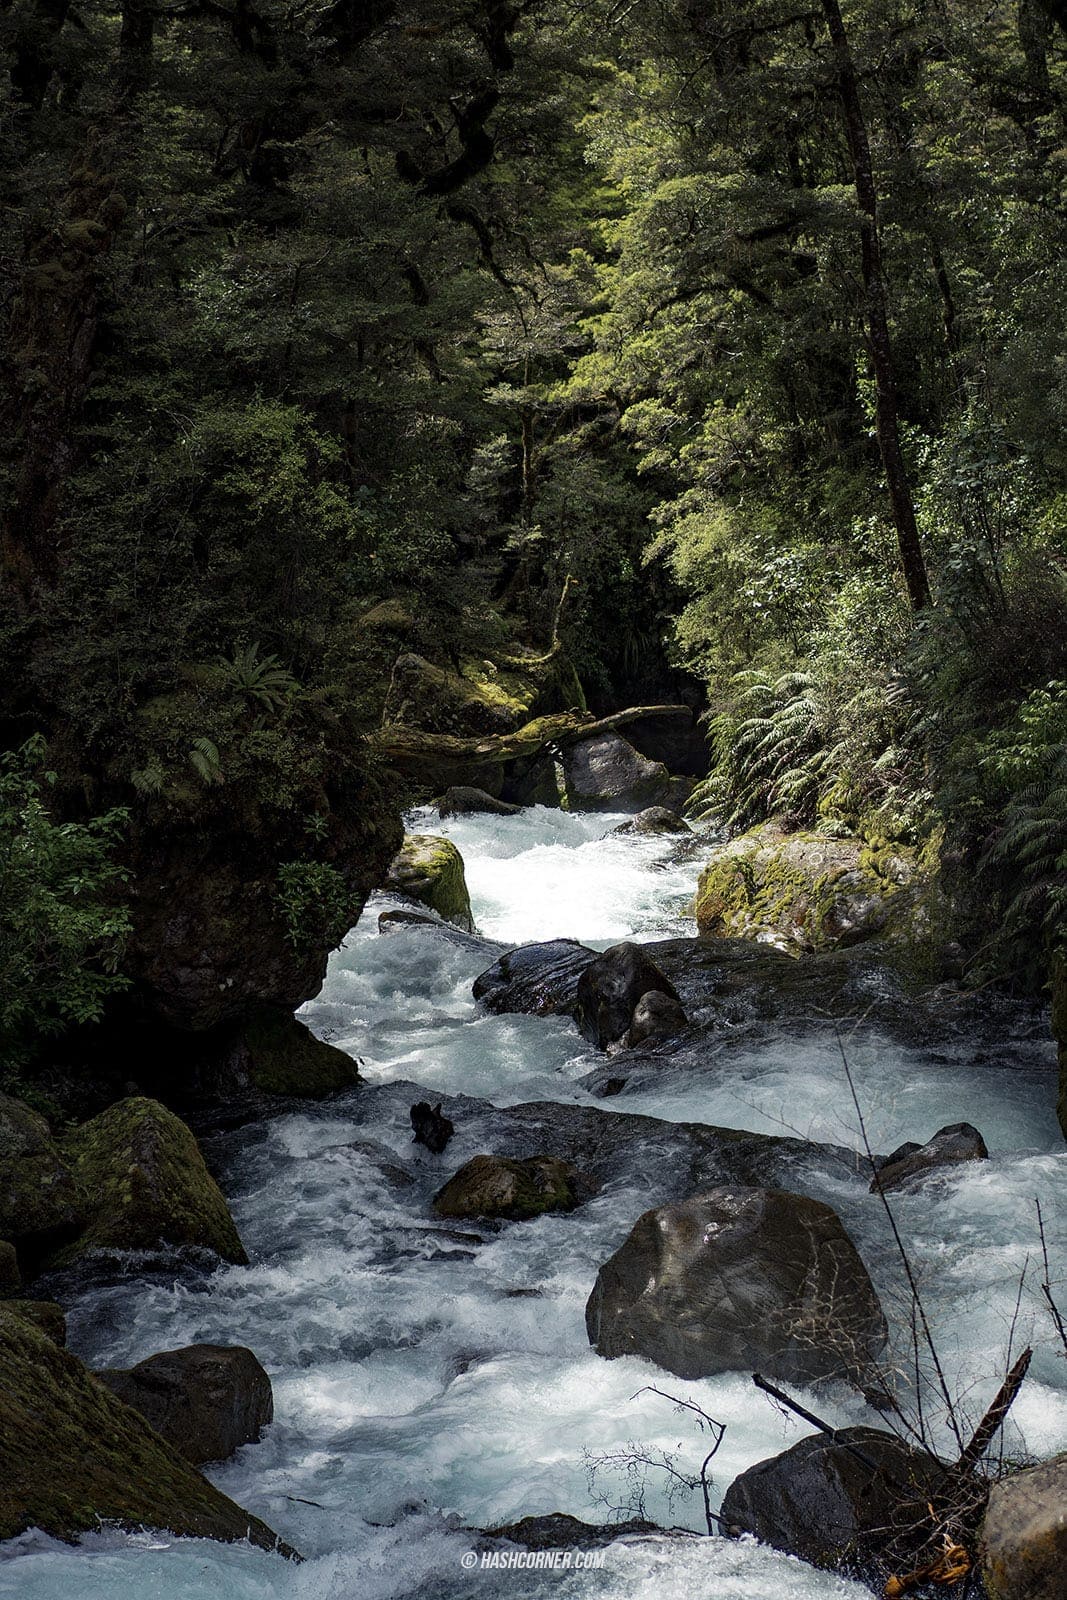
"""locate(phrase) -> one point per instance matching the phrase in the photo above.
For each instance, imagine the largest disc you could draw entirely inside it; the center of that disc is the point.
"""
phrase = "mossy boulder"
(1059, 1029)
(279, 1055)
(804, 891)
(498, 1186)
(429, 869)
(39, 1199)
(1024, 1536)
(44, 1315)
(146, 1186)
(73, 1456)
(10, 1276)
(479, 695)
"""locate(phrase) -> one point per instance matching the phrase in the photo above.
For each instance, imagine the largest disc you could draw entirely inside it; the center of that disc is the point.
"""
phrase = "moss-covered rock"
(72, 1455)
(146, 1186)
(480, 695)
(429, 869)
(10, 1276)
(39, 1200)
(279, 1055)
(804, 891)
(1024, 1536)
(498, 1186)
(1059, 1029)
(44, 1315)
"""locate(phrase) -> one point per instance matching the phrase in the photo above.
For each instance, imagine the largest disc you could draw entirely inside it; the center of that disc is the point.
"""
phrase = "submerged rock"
(655, 819)
(277, 1054)
(558, 1531)
(607, 774)
(957, 1142)
(72, 1455)
(462, 801)
(737, 1279)
(146, 1186)
(854, 1503)
(1024, 1536)
(609, 990)
(431, 1128)
(498, 1186)
(430, 869)
(539, 980)
(39, 1200)
(205, 1400)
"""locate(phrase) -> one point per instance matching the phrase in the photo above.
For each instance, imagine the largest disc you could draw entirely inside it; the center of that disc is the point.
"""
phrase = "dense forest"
(380, 378)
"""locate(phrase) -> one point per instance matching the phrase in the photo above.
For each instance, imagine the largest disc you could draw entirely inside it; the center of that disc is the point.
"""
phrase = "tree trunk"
(886, 411)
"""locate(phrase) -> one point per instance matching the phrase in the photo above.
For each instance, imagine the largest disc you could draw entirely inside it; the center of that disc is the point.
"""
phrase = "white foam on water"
(424, 1380)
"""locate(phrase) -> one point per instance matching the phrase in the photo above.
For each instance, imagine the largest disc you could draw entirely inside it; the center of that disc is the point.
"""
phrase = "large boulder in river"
(539, 980)
(39, 1200)
(958, 1141)
(277, 1054)
(146, 1186)
(855, 1502)
(498, 1186)
(429, 869)
(606, 773)
(656, 1016)
(206, 1400)
(803, 891)
(610, 988)
(72, 1455)
(1024, 1536)
(740, 1279)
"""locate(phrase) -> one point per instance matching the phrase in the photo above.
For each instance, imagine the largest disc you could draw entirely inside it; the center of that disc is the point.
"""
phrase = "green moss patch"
(429, 869)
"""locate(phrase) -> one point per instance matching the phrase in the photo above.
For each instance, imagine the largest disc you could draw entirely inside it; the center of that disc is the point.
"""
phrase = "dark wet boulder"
(855, 1502)
(957, 1142)
(1024, 1535)
(72, 1455)
(499, 1186)
(461, 801)
(205, 1400)
(655, 819)
(429, 869)
(39, 1200)
(609, 989)
(432, 1129)
(559, 1531)
(656, 1016)
(146, 1186)
(539, 980)
(278, 1054)
(740, 1279)
(606, 773)
(44, 1315)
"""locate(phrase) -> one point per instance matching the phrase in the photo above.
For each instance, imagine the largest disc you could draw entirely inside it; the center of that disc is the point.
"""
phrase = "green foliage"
(315, 902)
(62, 926)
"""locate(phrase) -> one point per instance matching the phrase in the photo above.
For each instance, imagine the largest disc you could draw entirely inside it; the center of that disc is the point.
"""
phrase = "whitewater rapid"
(431, 1379)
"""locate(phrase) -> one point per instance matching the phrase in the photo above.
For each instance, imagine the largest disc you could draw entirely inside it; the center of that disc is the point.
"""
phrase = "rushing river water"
(428, 1378)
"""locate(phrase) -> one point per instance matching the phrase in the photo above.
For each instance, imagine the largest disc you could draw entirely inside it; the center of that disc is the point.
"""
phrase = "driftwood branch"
(994, 1417)
(405, 747)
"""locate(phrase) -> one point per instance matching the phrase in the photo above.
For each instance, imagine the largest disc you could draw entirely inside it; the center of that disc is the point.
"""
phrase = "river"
(430, 1378)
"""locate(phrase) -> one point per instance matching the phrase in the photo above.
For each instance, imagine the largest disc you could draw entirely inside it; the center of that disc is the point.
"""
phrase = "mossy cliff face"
(480, 696)
(429, 869)
(145, 1185)
(805, 891)
(72, 1455)
(210, 940)
(1059, 1029)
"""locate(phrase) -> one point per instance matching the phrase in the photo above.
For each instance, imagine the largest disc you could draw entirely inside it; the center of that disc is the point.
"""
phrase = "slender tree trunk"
(886, 410)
